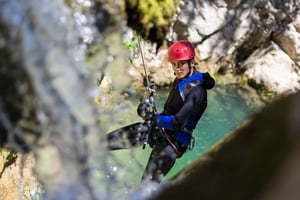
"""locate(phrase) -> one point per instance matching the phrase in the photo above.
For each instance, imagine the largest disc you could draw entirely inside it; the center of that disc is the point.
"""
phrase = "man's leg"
(133, 135)
(161, 161)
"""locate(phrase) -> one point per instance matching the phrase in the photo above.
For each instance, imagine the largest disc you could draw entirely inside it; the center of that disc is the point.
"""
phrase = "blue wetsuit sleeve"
(165, 122)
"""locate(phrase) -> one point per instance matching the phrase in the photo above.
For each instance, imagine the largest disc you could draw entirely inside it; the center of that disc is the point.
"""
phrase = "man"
(170, 132)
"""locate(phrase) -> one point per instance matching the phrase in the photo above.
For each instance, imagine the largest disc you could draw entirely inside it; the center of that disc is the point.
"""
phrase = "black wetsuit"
(183, 109)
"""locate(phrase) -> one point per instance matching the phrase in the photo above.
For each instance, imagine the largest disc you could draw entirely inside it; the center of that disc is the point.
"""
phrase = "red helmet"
(181, 50)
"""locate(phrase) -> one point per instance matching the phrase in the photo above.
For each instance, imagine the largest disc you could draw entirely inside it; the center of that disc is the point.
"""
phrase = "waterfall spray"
(48, 41)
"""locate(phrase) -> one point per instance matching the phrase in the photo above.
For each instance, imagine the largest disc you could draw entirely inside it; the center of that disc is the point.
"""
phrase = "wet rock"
(289, 42)
(273, 68)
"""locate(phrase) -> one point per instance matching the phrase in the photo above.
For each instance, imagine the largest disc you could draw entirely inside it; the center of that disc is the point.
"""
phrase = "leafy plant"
(133, 47)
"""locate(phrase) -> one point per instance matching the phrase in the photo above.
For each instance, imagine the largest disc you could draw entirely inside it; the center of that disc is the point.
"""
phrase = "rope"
(143, 61)
(150, 89)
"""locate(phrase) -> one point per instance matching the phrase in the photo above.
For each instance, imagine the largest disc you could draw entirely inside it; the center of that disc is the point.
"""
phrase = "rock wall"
(259, 39)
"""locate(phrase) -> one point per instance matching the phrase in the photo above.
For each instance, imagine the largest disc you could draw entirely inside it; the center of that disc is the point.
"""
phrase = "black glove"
(145, 109)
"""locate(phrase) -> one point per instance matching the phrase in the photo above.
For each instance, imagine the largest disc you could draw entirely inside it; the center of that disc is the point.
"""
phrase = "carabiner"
(192, 143)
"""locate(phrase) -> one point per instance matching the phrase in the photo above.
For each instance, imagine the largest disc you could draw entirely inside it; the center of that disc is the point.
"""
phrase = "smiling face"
(181, 68)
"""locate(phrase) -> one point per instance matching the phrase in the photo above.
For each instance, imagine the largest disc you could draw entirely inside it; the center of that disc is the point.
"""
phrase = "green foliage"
(151, 19)
(133, 47)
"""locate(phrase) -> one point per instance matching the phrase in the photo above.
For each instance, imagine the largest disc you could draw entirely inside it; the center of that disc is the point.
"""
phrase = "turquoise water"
(228, 107)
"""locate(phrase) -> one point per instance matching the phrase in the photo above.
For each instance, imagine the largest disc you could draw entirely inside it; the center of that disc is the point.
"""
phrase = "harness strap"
(171, 143)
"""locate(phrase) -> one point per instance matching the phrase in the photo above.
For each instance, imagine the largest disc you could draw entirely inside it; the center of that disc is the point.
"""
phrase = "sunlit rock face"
(249, 28)
(228, 34)
(271, 67)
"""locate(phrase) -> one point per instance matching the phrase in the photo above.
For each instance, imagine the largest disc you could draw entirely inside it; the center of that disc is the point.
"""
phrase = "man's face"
(181, 68)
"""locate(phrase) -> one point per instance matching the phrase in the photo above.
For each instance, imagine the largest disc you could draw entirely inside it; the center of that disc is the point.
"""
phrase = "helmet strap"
(190, 68)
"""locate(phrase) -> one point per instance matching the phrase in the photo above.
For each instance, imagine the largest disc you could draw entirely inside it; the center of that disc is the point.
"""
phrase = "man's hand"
(145, 109)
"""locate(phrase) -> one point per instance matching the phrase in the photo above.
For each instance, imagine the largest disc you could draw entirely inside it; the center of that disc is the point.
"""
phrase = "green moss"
(151, 19)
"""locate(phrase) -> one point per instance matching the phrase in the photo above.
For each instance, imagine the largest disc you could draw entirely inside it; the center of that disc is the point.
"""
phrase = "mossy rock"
(151, 19)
